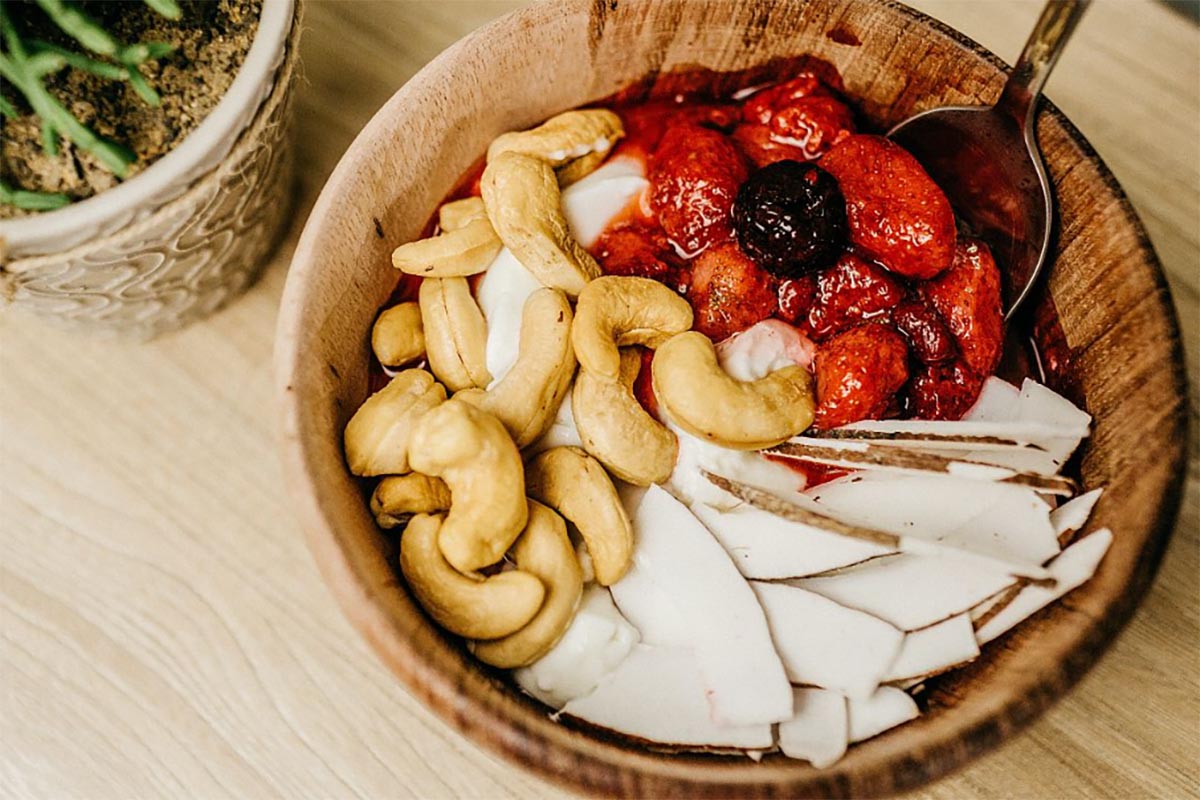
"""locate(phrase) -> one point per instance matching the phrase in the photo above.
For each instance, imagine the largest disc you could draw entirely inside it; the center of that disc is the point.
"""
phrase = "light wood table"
(163, 631)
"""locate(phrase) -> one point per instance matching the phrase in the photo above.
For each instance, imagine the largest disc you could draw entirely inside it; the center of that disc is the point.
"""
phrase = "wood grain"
(164, 629)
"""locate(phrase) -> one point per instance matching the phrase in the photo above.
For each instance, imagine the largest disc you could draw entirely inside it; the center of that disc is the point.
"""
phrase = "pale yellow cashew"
(464, 251)
(616, 311)
(468, 605)
(398, 336)
(707, 402)
(575, 485)
(527, 398)
(580, 168)
(472, 452)
(544, 550)
(457, 213)
(524, 203)
(398, 497)
(378, 435)
(455, 333)
(617, 431)
(564, 137)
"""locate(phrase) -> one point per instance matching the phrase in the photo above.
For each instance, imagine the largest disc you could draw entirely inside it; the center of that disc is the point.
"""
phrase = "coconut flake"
(935, 649)
(768, 547)
(596, 642)
(819, 730)
(658, 694)
(1073, 515)
(997, 402)
(1039, 404)
(683, 588)
(1071, 569)
(826, 644)
(884, 710)
(697, 456)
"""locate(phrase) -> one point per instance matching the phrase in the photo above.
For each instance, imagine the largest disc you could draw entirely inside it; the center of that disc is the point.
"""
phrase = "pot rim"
(51, 231)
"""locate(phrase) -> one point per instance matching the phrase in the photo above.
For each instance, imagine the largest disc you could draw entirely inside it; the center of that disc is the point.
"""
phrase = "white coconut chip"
(1071, 569)
(1072, 515)
(658, 694)
(884, 710)
(768, 547)
(997, 402)
(819, 730)
(1040, 405)
(683, 588)
(990, 607)
(596, 642)
(826, 644)
(934, 650)
(697, 456)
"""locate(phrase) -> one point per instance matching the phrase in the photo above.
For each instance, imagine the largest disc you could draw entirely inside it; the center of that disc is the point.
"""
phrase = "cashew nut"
(524, 203)
(472, 452)
(398, 497)
(457, 213)
(564, 137)
(527, 398)
(398, 336)
(617, 431)
(616, 311)
(463, 251)
(468, 605)
(578, 169)
(575, 485)
(378, 435)
(544, 551)
(455, 333)
(707, 402)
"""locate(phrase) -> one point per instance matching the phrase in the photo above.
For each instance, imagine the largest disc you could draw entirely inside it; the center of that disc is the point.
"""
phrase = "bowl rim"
(32, 235)
(534, 750)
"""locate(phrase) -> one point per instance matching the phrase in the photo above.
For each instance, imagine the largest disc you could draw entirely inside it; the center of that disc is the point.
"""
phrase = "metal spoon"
(986, 158)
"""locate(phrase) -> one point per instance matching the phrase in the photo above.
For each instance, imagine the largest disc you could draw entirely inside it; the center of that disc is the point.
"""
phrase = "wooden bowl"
(1106, 282)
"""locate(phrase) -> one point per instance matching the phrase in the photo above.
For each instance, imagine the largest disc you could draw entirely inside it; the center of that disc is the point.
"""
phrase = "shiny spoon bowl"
(986, 158)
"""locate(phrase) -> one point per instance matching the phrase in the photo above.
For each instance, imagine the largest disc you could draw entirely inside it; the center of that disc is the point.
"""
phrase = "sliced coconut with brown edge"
(767, 547)
(819, 731)
(683, 587)
(997, 402)
(1072, 515)
(884, 710)
(933, 650)
(596, 642)
(1005, 521)
(1038, 404)
(659, 695)
(1071, 569)
(826, 644)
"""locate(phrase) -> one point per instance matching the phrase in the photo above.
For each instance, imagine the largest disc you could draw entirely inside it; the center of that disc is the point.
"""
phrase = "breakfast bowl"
(1104, 291)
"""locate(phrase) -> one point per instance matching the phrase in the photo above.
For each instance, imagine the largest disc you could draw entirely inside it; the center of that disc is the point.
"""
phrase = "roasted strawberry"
(643, 384)
(800, 120)
(928, 337)
(729, 292)
(849, 293)
(636, 247)
(694, 178)
(858, 372)
(967, 296)
(645, 123)
(897, 214)
(796, 297)
(943, 391)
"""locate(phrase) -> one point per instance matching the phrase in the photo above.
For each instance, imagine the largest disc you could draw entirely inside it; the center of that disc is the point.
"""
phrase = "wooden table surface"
(164, 631)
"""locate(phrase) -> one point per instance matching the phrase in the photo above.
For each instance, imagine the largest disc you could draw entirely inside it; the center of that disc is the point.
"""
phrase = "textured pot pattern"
(188, 258)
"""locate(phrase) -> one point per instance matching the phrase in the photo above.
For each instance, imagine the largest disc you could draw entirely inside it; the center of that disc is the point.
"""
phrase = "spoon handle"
(1045, 44)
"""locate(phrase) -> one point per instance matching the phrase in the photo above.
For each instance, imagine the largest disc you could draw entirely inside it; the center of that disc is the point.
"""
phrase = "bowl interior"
(1105, 282)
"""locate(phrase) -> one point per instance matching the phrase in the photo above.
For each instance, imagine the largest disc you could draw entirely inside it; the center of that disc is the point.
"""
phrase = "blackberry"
(790, 217)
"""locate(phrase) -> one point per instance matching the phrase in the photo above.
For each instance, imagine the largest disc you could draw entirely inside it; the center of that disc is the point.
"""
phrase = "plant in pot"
(144, 166)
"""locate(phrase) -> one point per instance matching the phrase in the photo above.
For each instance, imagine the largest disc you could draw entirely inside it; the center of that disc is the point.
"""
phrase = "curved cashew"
(527, 398)
(707, 402)
(455, 333)
(544, 550)
(398, 336)
(377, 437)
(524, 203)
(578, 169)
(457, 213)
(398, 497)
(468, 605)
(564, 137)
(464, 251)
(615, 311)
(617, 431)
(475, 456)
(575, 485)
